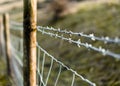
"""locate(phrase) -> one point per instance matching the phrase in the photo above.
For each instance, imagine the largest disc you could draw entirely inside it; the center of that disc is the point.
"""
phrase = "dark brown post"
(30, 12)
(7, 42)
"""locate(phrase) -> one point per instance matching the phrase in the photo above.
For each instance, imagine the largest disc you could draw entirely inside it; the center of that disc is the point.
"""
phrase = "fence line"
(29, 37)
(46, 30)
(15, 52)
(74, 72)
(18, 54)
(79, 43)
(91, 36)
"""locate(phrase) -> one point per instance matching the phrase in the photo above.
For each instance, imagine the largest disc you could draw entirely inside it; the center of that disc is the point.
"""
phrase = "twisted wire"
(86, 45)
(90, 36)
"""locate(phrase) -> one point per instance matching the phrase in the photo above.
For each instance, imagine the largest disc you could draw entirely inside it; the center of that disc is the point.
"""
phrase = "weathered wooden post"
(7, 42)
(0, 36)
(30, 12)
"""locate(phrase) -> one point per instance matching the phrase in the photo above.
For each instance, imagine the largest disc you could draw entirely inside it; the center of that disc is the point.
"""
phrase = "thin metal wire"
(73, 80)
(21, 45)
(69, 69)
(90, 36)
(16, 53)
(14, 44)
(16, 23)
(38, 65)
(79, 43)
(17, 57)
(58, 75)
(49, 71)
(43, 62)
(41, 78)
(38, 61)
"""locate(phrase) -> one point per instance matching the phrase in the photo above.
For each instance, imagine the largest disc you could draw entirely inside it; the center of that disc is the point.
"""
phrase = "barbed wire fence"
(40, 74)
(50, 70)
(42, 55)
(78, 42)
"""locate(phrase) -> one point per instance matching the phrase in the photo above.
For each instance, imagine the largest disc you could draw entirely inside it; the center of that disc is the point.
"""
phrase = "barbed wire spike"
(78, 44)
(92, 36)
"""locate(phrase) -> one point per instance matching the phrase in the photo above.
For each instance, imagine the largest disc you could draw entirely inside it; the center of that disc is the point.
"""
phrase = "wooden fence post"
(7, 42)
(0, 36)
(29, 60)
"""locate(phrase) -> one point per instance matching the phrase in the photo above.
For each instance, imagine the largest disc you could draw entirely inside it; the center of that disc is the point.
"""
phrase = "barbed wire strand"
(86, 45)
(90, 36)
(69, 69)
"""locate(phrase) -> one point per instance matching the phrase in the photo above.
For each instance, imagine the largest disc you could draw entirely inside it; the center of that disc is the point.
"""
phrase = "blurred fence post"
(7, 42)
(0, 36)
(29, 60)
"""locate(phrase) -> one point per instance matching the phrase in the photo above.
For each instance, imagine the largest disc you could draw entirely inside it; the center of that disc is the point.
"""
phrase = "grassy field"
(102, 20)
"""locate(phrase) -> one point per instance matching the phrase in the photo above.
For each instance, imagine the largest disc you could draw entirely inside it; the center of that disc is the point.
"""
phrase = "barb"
(86, 45)
(90, 36)
(69, 69)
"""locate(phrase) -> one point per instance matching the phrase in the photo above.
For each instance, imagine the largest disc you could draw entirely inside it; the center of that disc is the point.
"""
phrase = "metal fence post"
(29, 60)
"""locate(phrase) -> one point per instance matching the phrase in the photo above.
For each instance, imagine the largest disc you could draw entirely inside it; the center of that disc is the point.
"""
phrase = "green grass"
(4, 79)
